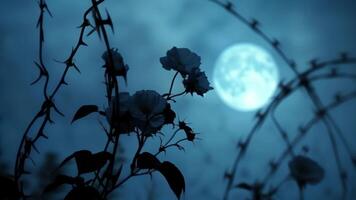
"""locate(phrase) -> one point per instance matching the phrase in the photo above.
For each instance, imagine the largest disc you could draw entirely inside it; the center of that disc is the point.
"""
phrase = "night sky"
(144, 31)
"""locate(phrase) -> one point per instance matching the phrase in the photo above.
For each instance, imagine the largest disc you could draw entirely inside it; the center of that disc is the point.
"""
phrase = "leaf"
(147, 161)
(174, 177)
(84, 111)
(91, 162)
(8, 189)
(83, 192)
(88, 162)
(63, 179)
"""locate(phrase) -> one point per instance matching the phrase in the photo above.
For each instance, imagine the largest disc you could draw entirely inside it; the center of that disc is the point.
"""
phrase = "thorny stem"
(43, 73)
(307, 127)
(48, 103)
(111, 83)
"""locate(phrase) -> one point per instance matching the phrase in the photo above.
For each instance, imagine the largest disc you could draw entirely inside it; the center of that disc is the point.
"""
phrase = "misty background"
(144, 31)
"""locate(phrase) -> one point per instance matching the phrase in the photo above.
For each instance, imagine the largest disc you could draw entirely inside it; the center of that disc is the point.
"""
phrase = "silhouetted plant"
(141, 115)
(303, 170)
(144, 114)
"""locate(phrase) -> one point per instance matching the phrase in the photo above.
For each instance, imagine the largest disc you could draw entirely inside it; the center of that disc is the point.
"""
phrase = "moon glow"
(245, 77)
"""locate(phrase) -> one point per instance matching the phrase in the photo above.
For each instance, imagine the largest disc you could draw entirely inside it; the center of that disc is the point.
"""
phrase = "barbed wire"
(301, 80)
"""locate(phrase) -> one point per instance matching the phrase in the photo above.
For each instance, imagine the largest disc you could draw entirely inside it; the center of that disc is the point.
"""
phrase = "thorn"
(242, 145)
(284, 135)
(33, 162)
(57, 61)
(81, 42)
(50, 121)
(45, 7)
(260, 115)
(84, 24)
(292, 64)
(43, 135)
(39, 20)
(108, 21)
(91, 32)
(285, 89)
(76, 68)
(275, 43)
(57, 110)
(254, 23)
(228, 5)
(64, 82)
(36, 80)
(35, 148)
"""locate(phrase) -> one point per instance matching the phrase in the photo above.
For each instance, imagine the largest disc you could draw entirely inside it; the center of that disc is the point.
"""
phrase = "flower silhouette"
(147, 109)
(180, 59)
(197, 82)
(119, 115)
(305, 171)
(120, 68)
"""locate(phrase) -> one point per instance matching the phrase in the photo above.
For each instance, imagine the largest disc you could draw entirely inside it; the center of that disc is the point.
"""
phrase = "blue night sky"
(144, 31)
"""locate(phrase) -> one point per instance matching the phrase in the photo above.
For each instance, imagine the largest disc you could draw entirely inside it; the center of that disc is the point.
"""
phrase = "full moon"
(245, 77)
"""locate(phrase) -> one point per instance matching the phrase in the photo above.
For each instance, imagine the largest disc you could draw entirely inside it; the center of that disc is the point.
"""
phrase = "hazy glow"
(245, 77)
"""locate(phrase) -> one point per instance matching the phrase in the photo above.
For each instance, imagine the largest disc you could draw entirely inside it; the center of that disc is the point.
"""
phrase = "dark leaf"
(88, 162)
(63, 179)
(83, 192)
(84, 111)
(174, 177)
(91, 162)
(8, 189)
(147, 161)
